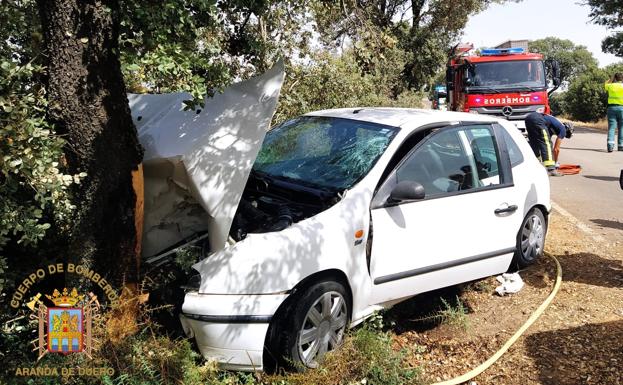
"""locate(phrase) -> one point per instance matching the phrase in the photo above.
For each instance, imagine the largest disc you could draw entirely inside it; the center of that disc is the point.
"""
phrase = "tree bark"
(88, 104)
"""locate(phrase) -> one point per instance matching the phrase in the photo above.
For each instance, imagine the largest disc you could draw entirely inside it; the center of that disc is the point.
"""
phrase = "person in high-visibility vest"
(614, 87)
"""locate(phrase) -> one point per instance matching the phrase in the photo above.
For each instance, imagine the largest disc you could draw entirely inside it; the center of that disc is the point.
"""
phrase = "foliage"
(152, 357)
(423, 30)
(335, 82)
(148, 357)
(557, 103)
(201, 46)
(20, 35)
(454, 315)
(3, 268)
(380, 363)
(15, 349)
(176, 45)
(609, 13)
(34, 189)
(366, 356)
(573, 59)
(187, 256)
(161, 50)
(376, 321)
(613, 68)
(586, 99)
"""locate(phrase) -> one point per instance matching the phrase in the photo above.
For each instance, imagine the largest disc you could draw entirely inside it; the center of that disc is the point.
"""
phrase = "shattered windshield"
(331, 153)
(508, 74)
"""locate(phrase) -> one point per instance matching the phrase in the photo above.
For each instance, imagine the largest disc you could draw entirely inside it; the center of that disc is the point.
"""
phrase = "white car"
(345, 212)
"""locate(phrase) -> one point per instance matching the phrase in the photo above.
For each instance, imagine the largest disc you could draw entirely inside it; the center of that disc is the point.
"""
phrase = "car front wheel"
(317, 323)
(530, 239)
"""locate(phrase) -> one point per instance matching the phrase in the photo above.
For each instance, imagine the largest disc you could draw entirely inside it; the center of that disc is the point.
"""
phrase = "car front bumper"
(230, 329)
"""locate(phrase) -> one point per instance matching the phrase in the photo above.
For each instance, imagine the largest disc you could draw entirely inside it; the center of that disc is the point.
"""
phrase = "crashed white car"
(340, 213)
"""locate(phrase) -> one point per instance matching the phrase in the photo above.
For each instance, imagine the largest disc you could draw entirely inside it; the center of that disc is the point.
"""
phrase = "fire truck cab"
(503, 82)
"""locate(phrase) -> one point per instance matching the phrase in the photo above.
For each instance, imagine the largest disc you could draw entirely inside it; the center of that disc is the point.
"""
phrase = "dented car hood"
(197, 162)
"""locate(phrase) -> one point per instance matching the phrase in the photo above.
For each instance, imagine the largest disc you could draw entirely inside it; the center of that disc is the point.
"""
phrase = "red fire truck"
(502, 82)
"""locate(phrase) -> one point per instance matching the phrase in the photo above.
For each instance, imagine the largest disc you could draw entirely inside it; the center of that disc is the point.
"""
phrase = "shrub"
(366, 357)
(33, 187)
(586, 98)
(337, 82)
(454, 315)
(557, 104)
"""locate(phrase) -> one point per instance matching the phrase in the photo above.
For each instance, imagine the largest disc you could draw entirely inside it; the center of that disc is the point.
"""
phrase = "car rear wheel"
(530, 239)
(318, 321)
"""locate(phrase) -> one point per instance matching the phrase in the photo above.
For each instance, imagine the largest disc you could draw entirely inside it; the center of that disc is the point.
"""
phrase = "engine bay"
(269, 204)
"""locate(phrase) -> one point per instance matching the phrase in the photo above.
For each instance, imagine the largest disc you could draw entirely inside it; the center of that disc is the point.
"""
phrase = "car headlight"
(473, 112)
(540, 110)
(193, 284)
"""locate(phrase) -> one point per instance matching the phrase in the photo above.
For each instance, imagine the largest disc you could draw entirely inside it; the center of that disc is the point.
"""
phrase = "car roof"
(406, 118)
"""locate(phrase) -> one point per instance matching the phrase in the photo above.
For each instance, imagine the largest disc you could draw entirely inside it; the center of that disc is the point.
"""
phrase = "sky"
(537, 19)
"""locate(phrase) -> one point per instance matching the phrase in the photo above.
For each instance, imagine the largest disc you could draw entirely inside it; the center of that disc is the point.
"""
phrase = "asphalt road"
(594, 196)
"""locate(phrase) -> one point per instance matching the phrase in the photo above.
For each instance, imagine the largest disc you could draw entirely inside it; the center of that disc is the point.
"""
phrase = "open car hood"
(197, 162)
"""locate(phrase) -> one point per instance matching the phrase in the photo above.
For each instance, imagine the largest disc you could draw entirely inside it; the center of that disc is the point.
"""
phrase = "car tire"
(316, 323)
(530, 239)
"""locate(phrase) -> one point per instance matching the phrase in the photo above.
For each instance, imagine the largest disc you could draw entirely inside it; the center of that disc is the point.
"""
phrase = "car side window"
(454, 159)
(485, 152)
(514, 152)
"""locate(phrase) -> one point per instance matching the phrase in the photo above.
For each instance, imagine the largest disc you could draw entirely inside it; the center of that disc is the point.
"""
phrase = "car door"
(464, 228)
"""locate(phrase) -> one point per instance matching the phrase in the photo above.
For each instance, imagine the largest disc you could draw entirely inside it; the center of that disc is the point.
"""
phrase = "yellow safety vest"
(615, 93)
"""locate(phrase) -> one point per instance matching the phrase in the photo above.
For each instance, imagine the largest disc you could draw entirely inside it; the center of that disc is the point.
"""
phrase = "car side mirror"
(553, 71)
(406, 191)
(556, 73)
(449, 75)
(621, 180)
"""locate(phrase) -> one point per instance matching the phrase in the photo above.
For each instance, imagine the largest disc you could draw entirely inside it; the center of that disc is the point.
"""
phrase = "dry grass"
(121, 321)
(601, 124)
(367, 356)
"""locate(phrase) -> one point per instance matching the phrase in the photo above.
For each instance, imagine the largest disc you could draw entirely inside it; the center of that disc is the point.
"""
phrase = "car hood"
(197, 162)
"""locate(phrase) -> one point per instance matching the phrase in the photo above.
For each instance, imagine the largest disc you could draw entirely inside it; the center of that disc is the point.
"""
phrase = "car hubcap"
(532, 237)
(323, 328)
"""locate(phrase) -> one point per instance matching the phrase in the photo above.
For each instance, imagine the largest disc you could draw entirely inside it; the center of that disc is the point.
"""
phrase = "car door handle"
(507, 209)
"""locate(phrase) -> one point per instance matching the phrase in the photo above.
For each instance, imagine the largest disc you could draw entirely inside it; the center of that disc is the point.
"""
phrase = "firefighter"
(540, 128)
(614, 87)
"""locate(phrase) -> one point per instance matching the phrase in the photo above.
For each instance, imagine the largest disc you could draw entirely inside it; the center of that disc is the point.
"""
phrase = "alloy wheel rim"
(323, 328)
(532, 237)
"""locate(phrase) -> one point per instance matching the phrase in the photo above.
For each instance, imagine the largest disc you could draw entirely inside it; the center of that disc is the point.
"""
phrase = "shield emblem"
(65, 329)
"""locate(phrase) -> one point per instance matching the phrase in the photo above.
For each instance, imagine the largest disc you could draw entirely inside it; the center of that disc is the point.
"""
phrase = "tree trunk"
(88, 104)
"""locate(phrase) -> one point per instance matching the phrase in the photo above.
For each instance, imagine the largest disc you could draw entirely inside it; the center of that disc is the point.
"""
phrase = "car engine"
(274, 205)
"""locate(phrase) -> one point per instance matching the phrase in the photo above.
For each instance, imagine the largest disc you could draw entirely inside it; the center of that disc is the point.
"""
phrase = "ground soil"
(578, 340)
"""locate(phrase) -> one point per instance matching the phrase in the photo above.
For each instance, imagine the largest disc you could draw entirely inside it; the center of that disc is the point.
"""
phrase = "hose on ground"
(485, 365)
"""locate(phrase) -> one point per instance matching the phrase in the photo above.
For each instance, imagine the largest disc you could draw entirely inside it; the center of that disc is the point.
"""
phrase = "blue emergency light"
(500, 51)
